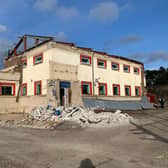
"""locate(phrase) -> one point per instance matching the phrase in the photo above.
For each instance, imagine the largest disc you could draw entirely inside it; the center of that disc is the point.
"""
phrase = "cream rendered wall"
(37, 72)
(111, 77)
(69, 57)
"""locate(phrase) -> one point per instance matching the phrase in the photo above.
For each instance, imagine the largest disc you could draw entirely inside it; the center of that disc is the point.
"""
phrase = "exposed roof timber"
(86, 49)
(65, 43)
(35, 37)
(47, 39)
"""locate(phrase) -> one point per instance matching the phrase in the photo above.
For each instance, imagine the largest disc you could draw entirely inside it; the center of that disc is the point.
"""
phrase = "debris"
(85, 118)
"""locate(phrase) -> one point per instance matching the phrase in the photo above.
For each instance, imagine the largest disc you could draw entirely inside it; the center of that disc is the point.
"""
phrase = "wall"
(37, 72)
(111, 77)
(71, 56)
(8, 103)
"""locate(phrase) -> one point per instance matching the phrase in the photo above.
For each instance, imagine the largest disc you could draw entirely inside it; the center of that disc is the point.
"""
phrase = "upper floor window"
(84, 59)
(24, 62)
(136, 70)
(38, 59)
(115, 66)
(126, 68)
(101, 63)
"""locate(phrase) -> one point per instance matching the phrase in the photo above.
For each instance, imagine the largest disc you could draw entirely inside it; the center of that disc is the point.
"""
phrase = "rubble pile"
(85, 118)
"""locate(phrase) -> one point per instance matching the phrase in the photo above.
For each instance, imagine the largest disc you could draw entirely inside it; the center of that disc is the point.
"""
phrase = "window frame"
(128, 68)
(34, 59)
(35, 87)
(137, 72)
(118, 86)
(118, 66)
(85, 56)
(13, 85)
(139, 90)
(90, 87)
(105, 63)
(129, 86)
(24, 84)
(105, 85)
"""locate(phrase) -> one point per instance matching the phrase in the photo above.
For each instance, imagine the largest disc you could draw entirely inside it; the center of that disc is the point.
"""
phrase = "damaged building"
(64, 74)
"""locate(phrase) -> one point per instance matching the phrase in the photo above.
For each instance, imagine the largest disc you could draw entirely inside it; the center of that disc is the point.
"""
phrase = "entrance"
(65, 93)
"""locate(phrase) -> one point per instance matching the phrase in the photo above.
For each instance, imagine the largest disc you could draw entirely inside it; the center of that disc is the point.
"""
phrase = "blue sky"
(136, 29)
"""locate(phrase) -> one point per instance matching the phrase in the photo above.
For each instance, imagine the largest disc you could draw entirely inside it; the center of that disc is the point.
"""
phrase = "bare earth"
(143, 145)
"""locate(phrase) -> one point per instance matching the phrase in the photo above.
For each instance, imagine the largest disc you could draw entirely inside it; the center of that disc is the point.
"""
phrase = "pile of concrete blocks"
(84, 117)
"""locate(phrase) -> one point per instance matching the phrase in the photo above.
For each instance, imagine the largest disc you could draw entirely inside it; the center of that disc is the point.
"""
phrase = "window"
(85, 60)
(24, 62)
(127, 90)
(86, 88)
(24, 89)
(102, 89)
(116, 90)
(115, 66)
(101, 63)
(137, 91)
(127, 68)
(38, 59)
(7, 89)
(37, 88)
(136, 70)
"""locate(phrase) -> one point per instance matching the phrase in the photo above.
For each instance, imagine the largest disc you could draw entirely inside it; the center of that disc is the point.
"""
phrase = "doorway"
(65, 88)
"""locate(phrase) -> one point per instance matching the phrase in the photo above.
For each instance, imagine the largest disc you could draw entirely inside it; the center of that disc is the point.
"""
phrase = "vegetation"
(156, 77)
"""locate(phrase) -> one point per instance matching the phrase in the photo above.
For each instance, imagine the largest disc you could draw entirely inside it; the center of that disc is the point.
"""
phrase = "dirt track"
(136, 146)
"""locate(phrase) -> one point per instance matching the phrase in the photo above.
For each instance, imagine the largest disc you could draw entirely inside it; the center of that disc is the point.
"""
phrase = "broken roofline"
(48, 39)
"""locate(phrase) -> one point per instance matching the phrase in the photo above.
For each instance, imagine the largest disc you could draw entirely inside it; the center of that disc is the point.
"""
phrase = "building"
(65, 73)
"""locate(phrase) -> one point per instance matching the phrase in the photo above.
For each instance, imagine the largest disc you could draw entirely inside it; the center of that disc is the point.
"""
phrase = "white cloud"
(61, 36)
(53, 6)
(67, 13)
(45, 5)
(104, 12)
(3, 28)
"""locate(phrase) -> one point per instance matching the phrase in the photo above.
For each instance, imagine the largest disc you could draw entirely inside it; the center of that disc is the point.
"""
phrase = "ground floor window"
(127, 90)
(102, 89)
(38, 88)
(7, 89)
(116, 90)
(24, 89)
(86, 88)
(137, 91)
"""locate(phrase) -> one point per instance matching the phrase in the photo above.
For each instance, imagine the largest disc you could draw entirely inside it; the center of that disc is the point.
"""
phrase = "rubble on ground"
(71, 117)
(81, 116)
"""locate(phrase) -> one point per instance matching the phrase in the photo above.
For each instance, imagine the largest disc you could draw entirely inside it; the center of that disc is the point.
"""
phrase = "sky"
(136, 29)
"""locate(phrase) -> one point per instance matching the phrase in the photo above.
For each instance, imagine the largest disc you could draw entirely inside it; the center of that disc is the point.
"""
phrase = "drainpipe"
(93, 73)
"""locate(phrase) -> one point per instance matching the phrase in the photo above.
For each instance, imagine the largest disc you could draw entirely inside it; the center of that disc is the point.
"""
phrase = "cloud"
(45, 5)
(3, 28)
(67, 13)
(130, 39)
(54, 7)
(152, 56)
(127, 40)
(105, 12)
(61, 36)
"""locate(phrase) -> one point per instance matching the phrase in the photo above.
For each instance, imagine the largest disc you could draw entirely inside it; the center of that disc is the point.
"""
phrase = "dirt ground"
(140, 145)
